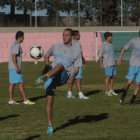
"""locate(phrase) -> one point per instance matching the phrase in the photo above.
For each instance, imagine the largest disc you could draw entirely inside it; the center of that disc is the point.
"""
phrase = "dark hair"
(75, 32)
(19, 34)
(69, 29)
(107, 34)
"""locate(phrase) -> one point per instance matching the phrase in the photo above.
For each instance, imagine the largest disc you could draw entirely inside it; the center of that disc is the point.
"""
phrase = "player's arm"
(83, 59)
(101, 55)
(101, 62)
(126, 47)
(120, 57)
(15, 52)
(14, 58)
(46, 60)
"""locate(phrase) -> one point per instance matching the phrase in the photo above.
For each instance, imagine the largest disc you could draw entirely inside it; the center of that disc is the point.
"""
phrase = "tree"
(12, 4)
(53, 7)
(67, 7)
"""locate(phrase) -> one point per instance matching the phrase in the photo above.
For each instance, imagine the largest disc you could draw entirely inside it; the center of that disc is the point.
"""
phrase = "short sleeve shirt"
(15, 49)
(107, 53)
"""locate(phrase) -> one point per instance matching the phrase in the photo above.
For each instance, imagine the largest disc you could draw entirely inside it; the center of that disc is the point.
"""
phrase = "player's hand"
(101, 66)
(119, 61)
(71, 79)
(18, 70)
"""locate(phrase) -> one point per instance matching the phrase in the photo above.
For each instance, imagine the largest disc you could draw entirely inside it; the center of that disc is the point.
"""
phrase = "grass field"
(99, 118)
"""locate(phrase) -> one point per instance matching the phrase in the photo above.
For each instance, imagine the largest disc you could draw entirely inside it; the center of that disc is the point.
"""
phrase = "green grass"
(99, 118)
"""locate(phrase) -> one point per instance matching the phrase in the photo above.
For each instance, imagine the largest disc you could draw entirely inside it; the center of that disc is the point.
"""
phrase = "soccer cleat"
(41, 79)
(122, 98)
(50, 130)
(83, 97)
(12, 102)
(113, 93)
(70, 96)
(28, 102)
(108, 93)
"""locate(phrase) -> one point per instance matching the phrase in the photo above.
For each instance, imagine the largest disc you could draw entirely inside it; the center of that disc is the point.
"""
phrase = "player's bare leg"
(111, 85)
(11, 90)
(58, 68)
(49, 109)
(78, 84)
(49, 112)
(22, 91)
(70, 86)
(107, 79)
(112, 82)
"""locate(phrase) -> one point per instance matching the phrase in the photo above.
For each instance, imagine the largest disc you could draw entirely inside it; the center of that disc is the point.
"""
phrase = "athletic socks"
(132, 99)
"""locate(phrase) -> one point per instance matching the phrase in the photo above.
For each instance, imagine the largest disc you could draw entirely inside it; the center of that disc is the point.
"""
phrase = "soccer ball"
(36, 52)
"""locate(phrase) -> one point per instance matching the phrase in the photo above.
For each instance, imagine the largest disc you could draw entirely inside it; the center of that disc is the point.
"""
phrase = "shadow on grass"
(36, 98)
(89, 93)
(33, 99)
(30, 138)
(9, 116)
(118, 91)
(83, 119)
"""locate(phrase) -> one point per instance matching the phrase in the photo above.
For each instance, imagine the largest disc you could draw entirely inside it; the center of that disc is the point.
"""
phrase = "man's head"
(76, 35)
(108, 36)
(19, 36)
(67, 36)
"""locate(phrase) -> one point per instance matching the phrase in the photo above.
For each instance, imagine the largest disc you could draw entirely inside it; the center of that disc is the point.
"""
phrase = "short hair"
(19, 34)
(107, 34)
(69, 29)
(75, 32)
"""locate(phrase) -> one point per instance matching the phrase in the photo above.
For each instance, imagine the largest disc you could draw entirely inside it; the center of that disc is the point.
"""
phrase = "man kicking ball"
(134, 68)
(65, 67)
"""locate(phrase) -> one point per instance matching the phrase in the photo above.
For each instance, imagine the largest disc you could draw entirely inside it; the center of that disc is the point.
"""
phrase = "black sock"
(132, 100)
(124, 91)
(134, 97)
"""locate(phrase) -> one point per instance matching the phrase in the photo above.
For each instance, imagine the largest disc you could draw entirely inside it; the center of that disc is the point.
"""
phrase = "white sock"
(80, 94)
(69, 93)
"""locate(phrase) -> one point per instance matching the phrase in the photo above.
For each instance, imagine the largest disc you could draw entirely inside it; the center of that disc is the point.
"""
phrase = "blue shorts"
(134, 72)
(15, 77)
(80, 72)
(53, 82)
(110, 71)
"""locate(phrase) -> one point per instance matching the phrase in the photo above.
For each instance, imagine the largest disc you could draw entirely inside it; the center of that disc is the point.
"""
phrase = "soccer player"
(64, 68)
(15, 71)
(134, 68)
(76, 37)
(107, 62)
